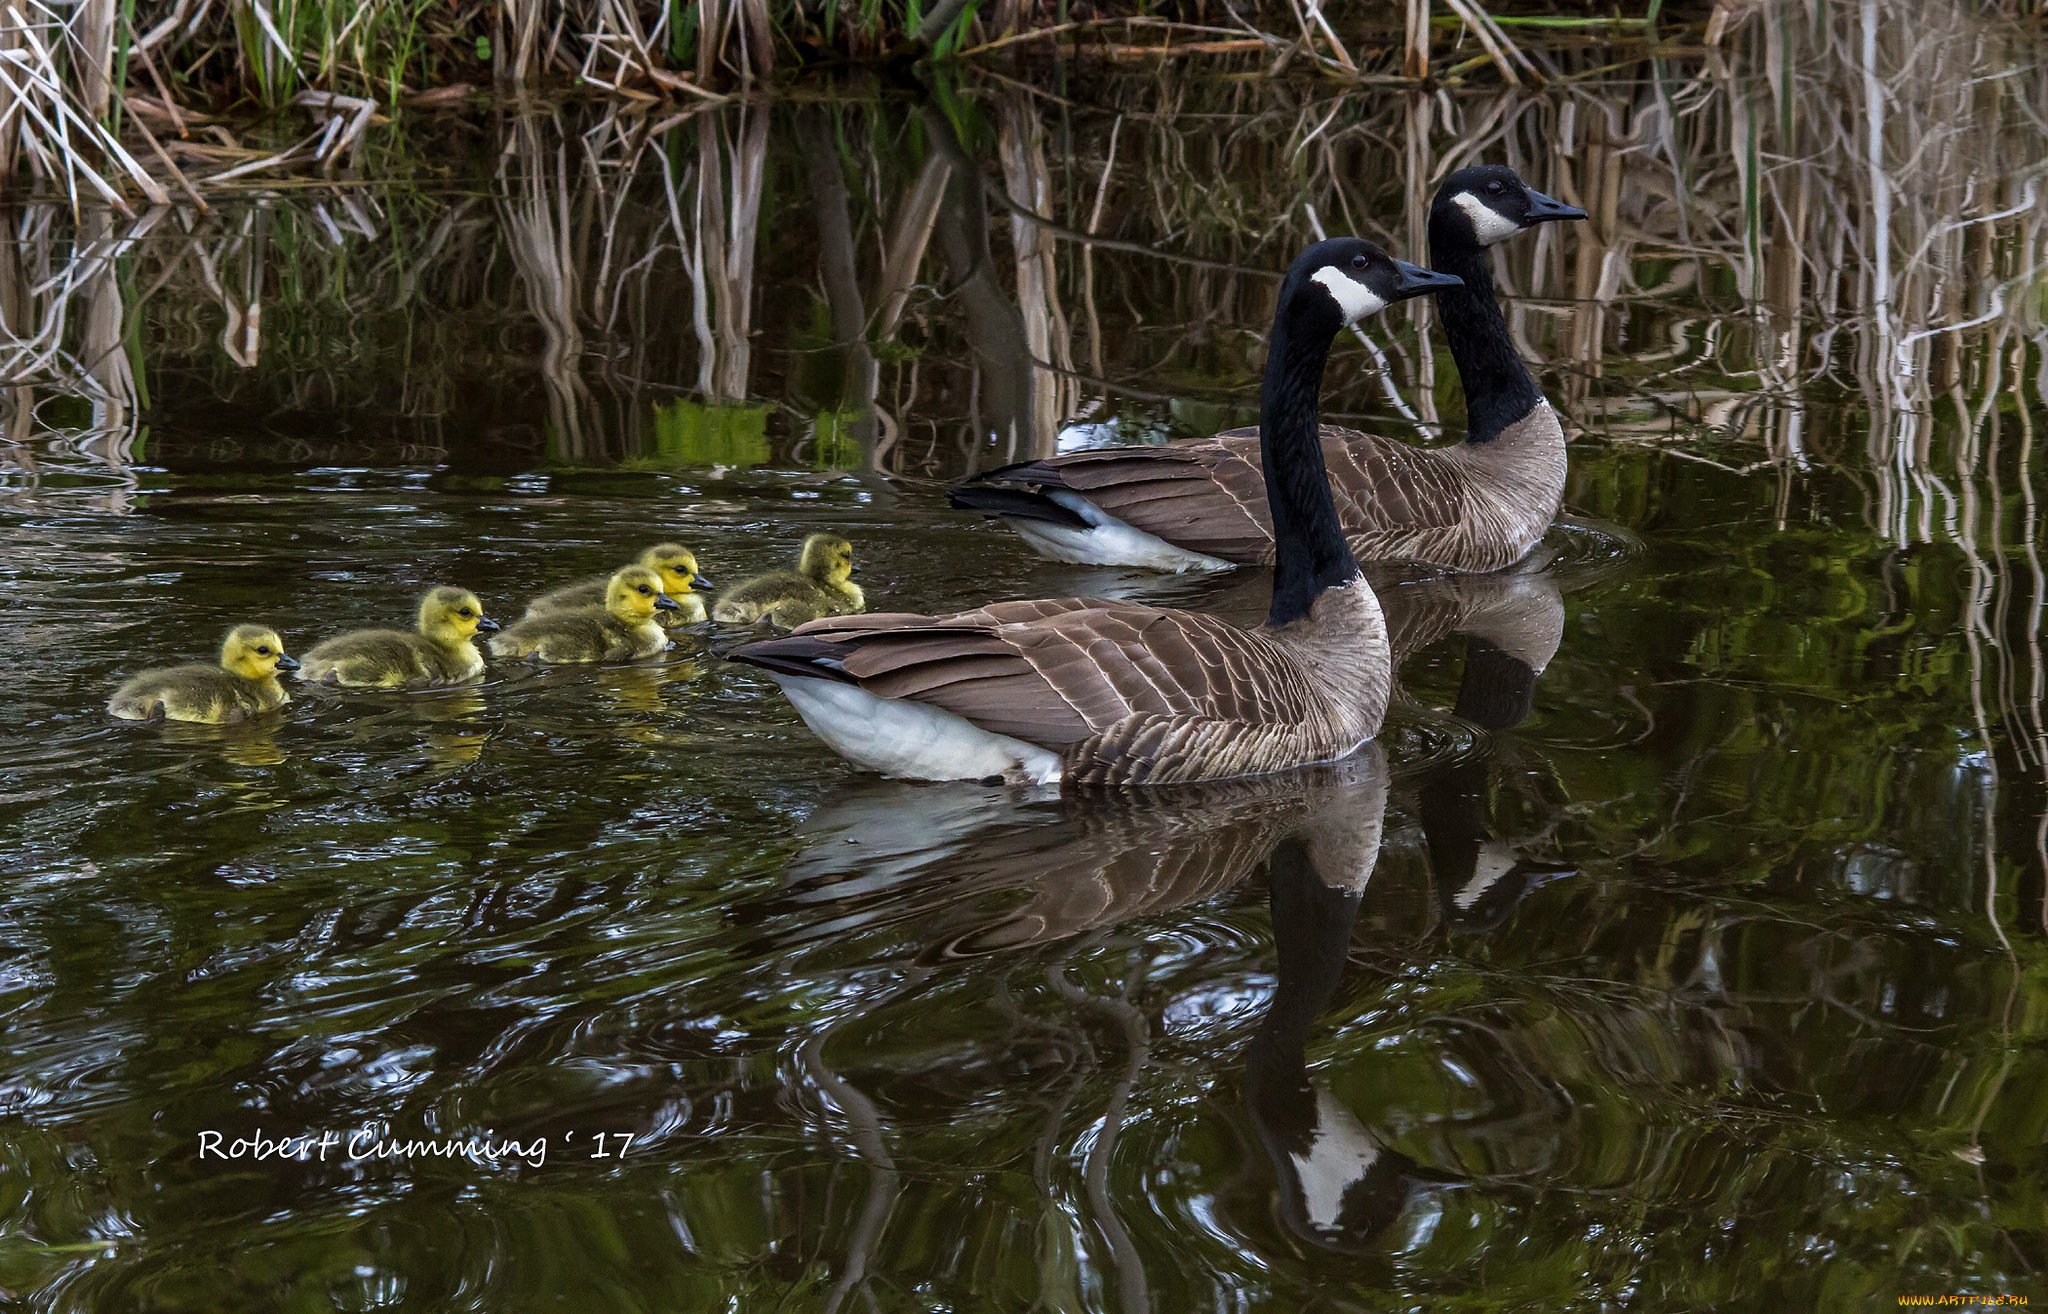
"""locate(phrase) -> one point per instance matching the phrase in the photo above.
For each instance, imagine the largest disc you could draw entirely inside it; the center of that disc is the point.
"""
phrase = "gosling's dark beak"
(485, 625)
(285, 663)
(663, 602)
(1419, 282)
(698, 584)
(1543, 209)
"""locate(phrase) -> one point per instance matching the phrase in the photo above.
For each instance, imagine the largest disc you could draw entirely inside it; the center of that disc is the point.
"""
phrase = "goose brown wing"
(1383, 488)
(1205, 496)
(1056, 672)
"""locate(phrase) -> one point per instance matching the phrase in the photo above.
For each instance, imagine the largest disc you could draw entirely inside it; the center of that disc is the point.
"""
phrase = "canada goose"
(622, 629)
(1200, 504)
(1087, 691)
(243, 685)
(440, 653)
(680, 579)
(821, 585)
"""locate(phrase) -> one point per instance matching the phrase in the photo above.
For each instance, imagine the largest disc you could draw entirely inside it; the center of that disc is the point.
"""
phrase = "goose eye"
(1358, 262)
(263, 652)
(465, 613)
(646, 592)
(1493, 187)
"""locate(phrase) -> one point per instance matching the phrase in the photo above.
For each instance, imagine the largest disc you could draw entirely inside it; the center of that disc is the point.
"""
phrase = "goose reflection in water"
(251, 743)
(1513, 622)
(934, 858)
(1089, 860)
(1339, 1184)
(451, 725)
(643, 686)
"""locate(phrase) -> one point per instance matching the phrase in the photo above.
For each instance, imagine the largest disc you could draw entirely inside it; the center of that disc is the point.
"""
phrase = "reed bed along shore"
(1858, 190)
(132, 103)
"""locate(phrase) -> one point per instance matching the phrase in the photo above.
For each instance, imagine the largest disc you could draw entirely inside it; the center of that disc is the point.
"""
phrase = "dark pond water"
(1712, 976)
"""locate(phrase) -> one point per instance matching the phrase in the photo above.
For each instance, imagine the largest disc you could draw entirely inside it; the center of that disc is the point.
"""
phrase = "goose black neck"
(1453, 811)
(1309, 551)
(1498, 389)
(1498, 691)
(1312, 924)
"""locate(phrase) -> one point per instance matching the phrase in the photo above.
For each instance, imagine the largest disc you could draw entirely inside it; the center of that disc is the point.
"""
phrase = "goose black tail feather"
(796, 654)
(1018, 503)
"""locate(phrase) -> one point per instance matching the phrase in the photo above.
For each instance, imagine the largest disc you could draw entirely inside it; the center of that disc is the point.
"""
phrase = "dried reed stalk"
(1020, 145)
(1415, 46)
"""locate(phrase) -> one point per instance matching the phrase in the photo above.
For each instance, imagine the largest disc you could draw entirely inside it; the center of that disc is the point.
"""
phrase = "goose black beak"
(698, 584)
(663, 602)
(285, 663)
(1544, 209)
(1419, 282)
(485, 625)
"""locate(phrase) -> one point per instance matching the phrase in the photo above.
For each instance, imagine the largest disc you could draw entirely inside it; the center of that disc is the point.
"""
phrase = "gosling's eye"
(1493, 187)
(465, 613)
(263, 652)
(646, 592)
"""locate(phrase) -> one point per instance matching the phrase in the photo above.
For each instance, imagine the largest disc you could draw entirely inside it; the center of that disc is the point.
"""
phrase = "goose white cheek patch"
(1488, 226)
(1356, 298)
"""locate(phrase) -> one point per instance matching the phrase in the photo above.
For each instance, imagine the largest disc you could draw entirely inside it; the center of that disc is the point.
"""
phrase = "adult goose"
(1200, 504)
(1089, 691)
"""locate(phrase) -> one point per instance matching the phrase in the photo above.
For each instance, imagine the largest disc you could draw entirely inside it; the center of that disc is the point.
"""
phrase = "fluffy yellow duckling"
(680, 579)
(243, 685)
(439, 654)
(821, 585)
(623, 628)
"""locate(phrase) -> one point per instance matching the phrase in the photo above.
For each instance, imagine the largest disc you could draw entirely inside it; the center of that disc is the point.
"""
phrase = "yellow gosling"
(821, 585)
(620, 630)
(680, 579)
(442, 652)
(243, 685)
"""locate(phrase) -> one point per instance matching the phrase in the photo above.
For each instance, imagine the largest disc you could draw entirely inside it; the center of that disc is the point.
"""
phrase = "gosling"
(440, 654)
(680, 579)
(620, 630)
(821, 585)
(243, 685)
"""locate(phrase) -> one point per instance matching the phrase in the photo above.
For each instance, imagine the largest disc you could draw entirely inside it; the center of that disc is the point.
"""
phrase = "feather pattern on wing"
(1124, 693)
